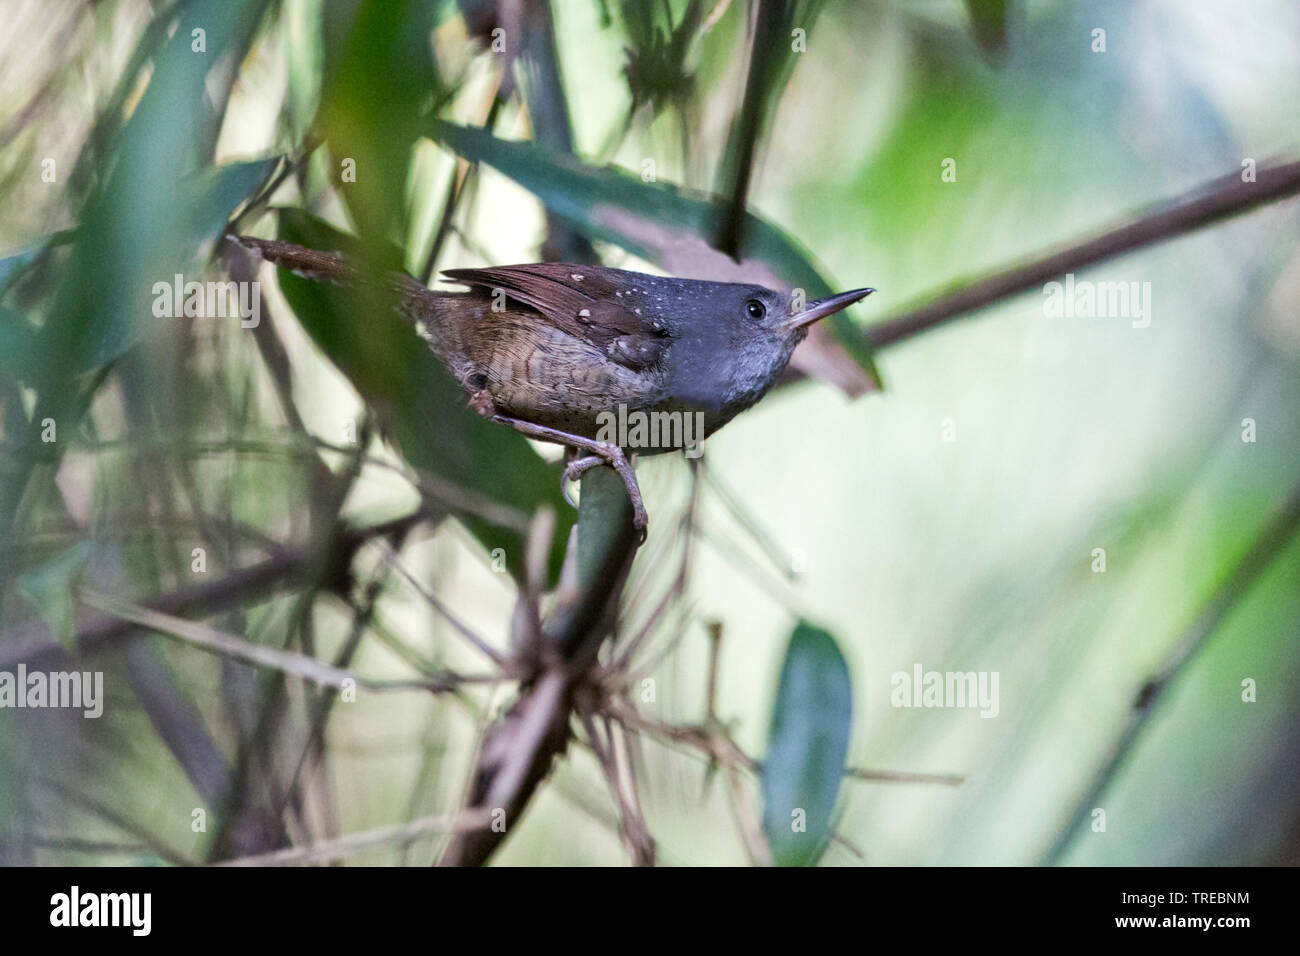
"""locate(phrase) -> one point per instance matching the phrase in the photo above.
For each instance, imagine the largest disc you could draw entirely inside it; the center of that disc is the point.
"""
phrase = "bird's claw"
(573, 470)
(614, 457)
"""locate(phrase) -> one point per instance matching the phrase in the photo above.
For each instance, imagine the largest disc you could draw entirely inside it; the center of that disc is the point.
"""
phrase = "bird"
(554, 349)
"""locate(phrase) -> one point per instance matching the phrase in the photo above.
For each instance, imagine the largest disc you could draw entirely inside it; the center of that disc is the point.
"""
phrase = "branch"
(515, 754)
(1204, 206)
(632, 829)
(225, 644)
(239, 588)
(395, 562)
(336, 849)
(1267, 546)
(718, 746)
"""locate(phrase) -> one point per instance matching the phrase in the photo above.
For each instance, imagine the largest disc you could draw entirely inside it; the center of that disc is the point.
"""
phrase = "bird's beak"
(822, 308)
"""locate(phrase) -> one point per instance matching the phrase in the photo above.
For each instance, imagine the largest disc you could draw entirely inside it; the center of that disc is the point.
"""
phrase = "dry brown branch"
(515, 754)
(1201, 207)
(747, 819)
(632, 827)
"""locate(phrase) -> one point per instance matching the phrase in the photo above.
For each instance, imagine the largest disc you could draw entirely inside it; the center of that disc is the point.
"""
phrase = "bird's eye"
(755, 309)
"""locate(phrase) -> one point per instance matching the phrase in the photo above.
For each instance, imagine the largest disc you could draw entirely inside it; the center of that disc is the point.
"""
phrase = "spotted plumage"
(549, 347)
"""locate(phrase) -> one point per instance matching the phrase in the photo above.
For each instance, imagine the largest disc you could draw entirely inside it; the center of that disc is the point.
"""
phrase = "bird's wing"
(578, 300)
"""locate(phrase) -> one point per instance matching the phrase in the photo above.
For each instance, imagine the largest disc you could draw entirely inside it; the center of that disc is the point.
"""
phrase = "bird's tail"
(413, 299)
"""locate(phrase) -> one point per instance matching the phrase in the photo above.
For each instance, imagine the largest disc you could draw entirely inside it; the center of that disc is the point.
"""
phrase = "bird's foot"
(613, 456)
(600, 453)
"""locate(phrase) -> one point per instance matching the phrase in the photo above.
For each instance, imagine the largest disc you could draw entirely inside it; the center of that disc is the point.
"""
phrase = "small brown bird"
(554, 350)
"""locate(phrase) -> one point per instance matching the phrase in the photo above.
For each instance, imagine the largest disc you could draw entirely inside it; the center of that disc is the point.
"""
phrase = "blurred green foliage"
(652, 133)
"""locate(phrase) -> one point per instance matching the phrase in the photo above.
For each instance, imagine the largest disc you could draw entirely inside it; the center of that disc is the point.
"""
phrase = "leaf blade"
(807, 746)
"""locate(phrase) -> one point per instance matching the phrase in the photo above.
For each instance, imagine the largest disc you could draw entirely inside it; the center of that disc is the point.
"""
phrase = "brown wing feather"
(578, 300)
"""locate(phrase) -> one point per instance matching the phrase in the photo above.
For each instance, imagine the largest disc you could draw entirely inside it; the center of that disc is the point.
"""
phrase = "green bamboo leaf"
(127, 236)
(379, 75)
(807, 746)
(50, 589)
(12, 266)
(655, 220)
(988, 20)
(19, 342)
(156, 205)
(202, 204)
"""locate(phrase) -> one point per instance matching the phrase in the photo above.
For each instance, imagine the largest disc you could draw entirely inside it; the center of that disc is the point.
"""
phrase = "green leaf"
(988, 20)
(126, 238)
(18, 344)
(379, 76)
(655, 220)
(12, 266)
(50, 589)
(420, 406)
(771, 61)
(210, 196)
(201, 205)
(807, 746)
(156, 205)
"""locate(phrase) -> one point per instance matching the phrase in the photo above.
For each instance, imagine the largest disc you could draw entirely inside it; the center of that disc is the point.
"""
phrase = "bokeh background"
(949, 520)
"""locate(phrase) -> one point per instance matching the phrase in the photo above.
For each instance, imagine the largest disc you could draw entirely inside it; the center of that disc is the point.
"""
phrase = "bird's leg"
(601, 453)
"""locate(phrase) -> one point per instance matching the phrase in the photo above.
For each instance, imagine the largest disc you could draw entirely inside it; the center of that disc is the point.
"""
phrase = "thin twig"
(439, 489)
(232, 646)
(72, 844)
(632, 827)
(396, 835)
(151, 840)
(631, 751)
(1274, 538)
(1204, 206)
(461, 177)
(905, 776)
(711, 681)
(235, 589)
(757, 533)
(395, 561)
(313, 750)
(747, 819)
(718, 746)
